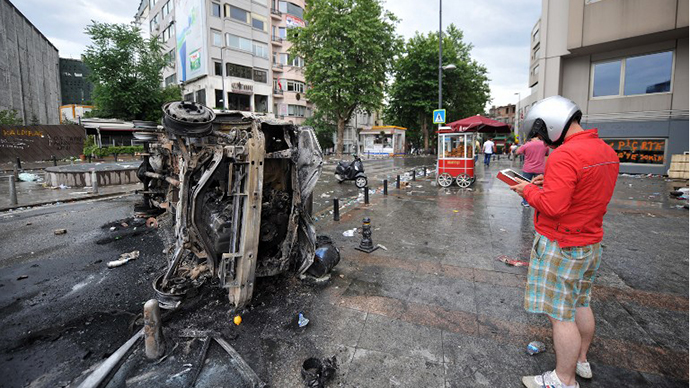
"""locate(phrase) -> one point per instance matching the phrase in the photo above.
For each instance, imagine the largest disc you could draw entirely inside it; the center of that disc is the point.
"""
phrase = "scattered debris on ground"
(124, 258)
(512, 261)
(58, 232)
(535, 347)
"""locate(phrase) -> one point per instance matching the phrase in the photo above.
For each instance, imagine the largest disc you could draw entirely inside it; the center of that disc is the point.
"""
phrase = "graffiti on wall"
(40, 142)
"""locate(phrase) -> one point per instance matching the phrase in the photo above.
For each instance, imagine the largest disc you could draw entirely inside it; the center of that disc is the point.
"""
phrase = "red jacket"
(579, 180)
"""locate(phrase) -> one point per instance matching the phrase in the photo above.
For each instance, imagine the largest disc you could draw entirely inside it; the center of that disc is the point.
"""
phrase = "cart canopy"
(478, 124)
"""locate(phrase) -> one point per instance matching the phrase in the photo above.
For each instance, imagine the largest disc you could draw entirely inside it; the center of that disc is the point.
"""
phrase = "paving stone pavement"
(437, 309)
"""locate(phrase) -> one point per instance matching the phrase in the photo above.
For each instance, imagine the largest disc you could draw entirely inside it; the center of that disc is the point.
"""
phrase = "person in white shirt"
(489, 149)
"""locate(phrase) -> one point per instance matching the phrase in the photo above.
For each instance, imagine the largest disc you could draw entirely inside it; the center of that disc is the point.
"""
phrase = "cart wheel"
(445, 179)
(463, 181)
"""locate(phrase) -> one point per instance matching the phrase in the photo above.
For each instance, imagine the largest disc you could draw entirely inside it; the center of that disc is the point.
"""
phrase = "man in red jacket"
(570, 201)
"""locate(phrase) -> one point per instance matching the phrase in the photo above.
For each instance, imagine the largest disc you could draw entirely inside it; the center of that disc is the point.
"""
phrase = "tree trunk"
(425, 132)
(339, 138)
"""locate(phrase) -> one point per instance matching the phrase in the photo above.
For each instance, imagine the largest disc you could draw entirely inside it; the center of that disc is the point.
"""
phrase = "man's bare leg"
(584, 319)
(567, 343)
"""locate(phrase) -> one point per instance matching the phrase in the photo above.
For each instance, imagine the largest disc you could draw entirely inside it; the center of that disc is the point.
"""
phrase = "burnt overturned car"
(237, 190)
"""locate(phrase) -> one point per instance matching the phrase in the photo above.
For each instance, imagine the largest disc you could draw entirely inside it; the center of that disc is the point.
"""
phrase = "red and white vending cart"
(456, 148)
(455, 157)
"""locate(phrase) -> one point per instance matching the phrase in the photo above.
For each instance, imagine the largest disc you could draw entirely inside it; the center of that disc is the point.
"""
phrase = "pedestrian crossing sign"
(439, 116)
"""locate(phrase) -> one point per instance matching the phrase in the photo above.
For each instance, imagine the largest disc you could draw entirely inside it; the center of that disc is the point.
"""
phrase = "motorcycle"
(353, 171)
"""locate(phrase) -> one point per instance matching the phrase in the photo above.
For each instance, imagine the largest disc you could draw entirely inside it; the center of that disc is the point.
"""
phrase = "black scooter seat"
(344, 164)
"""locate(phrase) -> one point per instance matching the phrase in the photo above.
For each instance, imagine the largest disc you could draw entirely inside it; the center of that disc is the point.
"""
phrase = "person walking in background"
(513, 148)
(489, 148)
(570, 201)
(535, 152)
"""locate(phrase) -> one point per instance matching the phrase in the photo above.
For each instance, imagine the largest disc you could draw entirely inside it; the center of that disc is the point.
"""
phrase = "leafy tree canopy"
(348, 46)
(414, 91)
(126, 71)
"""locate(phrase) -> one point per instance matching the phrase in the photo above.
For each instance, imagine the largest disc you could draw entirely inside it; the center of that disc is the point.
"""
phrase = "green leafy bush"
(114, 150)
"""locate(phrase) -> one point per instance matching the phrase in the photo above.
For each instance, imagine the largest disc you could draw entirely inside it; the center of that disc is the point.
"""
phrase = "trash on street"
(124, 258)
(512, 261)
(302, 320)
(535, 347)
(58, 232)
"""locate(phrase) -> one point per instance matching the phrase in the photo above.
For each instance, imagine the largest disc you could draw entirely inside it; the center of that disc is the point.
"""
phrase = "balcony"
(278, 67)
(276, 14)
(277, 93)
(276, 40)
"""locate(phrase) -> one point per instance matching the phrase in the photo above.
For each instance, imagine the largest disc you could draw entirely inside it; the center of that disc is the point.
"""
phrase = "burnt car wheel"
(361, 182)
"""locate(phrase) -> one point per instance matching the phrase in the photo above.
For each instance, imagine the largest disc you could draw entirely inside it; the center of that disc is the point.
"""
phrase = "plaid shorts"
(559, 280)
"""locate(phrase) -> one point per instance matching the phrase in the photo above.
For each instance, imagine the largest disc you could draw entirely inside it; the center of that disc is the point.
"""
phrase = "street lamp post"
(440, 54)
(517, 116)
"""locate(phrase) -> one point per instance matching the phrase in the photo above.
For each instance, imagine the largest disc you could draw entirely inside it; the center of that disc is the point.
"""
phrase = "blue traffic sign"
(439, 116)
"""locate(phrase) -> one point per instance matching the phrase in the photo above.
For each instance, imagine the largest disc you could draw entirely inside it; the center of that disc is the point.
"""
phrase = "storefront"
(384, 140)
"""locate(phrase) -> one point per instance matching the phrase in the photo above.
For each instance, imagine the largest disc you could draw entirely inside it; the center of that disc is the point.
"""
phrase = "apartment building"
(231, 54)
(504, 114)
(289, 86)
(625, 63)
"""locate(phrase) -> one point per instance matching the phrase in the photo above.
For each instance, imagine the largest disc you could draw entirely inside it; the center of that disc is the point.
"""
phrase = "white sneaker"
(545, 380)
(583, 370)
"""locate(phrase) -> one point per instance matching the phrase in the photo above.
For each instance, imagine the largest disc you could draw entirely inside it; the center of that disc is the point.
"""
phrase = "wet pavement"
(435, 308)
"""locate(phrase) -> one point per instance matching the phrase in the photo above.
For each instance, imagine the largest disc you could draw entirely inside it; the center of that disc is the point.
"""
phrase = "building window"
(219, 98)
(642, 74)
(648, 73)
(260, 103)
(295, 86)
(152, 3)
(217, 38)
(607, 77)
(170, 80)
(260, 76)
(170, 58)
(201, 96)
(237, 13)
(217, 68)
(282, 32)
(238, 42)
(283, 59)
(259, 22)
(166, 9)
(295, 61)
(239, 102)
(153, 24)
(535, 33)
(215, 9)
(167, 34)
(189, 97)
(238, 71)
(535, 70)
(297, 110)
(292, 9)
(260, 50)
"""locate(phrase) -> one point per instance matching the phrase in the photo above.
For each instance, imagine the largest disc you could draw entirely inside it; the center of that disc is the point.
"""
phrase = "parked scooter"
(353, 171)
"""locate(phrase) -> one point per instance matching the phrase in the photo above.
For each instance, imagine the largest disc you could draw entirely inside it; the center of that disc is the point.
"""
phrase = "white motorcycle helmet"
(550, 119)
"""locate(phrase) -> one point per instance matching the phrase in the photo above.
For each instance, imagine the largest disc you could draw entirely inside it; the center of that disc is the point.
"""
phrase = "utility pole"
(440, 55)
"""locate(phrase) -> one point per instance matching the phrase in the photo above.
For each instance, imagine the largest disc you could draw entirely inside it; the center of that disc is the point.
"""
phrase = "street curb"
(68, 200)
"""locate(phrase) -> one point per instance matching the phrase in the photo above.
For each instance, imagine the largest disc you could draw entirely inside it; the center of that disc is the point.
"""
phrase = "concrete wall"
(29, 69)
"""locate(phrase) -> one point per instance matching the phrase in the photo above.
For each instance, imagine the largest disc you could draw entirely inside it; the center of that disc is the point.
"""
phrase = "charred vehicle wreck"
(237, 189)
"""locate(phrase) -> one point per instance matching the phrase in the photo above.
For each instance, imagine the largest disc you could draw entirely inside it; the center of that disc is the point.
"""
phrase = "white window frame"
(264, 49)
(227, 43)
(621, 81)
(215, 33)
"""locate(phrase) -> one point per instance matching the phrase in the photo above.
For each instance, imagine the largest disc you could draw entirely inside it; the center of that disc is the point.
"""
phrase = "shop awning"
(478, 124)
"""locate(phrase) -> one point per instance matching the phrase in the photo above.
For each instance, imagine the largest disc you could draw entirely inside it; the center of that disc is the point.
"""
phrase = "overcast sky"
(498, 29)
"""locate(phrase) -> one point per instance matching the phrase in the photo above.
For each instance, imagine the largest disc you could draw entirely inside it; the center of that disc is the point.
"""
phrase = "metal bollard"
(366, 244)
(19, 163)
(397, 182)
(424, 170)
(94, 182)
(13, 191)
(366, 195)
(336, 209)
(89, 158)
(153, 335)
(414, 174)
(385, 187)
(54, 160)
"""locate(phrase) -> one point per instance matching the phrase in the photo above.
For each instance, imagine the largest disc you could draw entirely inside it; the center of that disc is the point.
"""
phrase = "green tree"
(10, 117)
(126, 71)
(323, 128)
(348, 46)
(414, 91)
